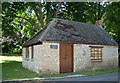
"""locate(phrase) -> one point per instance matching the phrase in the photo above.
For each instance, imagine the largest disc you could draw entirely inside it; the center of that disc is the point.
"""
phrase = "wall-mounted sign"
(53, 46)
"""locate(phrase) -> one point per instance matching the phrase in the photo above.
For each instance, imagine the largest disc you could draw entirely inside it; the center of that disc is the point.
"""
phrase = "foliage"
(112, 19)
(16, 28)
(21, 20)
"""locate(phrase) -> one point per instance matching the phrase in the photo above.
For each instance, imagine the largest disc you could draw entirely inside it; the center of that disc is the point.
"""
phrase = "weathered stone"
(82, 60)
(46, 59)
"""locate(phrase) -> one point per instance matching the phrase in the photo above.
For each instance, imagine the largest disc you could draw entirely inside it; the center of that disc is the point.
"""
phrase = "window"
(96, 53)
(27, 53)
(32, 52)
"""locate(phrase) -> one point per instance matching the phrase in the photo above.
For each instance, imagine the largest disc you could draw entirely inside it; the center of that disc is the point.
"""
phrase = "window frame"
(96, 53)
(27, 54)
(32, 52)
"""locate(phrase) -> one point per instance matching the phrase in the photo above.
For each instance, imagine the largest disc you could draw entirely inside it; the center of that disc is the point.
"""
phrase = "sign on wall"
(53, 46)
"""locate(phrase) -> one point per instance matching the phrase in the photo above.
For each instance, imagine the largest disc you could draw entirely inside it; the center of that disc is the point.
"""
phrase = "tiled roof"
(60, 30)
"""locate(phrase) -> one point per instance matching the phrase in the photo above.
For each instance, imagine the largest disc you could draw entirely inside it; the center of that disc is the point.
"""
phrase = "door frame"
(71, 57)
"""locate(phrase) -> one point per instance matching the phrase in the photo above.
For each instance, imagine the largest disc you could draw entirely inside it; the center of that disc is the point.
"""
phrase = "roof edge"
(48, 28)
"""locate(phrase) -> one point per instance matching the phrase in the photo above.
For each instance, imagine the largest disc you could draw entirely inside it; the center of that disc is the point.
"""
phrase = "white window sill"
(96, 60)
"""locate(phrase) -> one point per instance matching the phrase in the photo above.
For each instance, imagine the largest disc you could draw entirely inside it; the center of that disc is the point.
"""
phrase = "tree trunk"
(57, 11)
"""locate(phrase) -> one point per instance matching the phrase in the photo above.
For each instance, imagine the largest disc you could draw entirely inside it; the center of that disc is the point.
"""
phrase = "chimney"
(99, 23)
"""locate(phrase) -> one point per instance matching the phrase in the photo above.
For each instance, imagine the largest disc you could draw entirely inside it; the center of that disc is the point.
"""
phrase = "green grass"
(93, 73)
(0, 69)
(51, 75)
(12, 69)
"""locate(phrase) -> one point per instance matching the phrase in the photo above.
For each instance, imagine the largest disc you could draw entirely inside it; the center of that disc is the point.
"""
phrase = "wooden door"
(66, 58)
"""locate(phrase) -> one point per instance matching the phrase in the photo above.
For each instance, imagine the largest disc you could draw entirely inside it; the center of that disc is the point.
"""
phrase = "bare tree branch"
(40, 14)
(57, 11)
(99, 11)
(48, 11)
(32, 23)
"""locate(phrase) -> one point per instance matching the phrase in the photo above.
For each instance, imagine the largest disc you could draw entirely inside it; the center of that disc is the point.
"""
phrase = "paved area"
(105, 77)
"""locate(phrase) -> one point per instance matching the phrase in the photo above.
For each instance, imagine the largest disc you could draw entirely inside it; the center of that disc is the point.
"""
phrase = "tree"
(17, 19)
(73, 11)
(20, 20)
(112, 19)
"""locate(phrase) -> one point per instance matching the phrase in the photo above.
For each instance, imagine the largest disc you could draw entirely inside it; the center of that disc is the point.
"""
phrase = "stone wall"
(46, 60)
(110, 58)
(31, 64)
(82, 59)
(49, 58)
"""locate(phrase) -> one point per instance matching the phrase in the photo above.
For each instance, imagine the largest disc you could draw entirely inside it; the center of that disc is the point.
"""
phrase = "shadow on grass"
(6, 54)
(11, 62)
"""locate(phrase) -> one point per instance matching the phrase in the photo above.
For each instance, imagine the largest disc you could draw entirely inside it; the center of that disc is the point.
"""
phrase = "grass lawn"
(12, 69)
(93, 73)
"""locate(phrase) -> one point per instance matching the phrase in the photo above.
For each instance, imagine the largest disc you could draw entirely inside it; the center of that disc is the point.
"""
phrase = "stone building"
(68, 46)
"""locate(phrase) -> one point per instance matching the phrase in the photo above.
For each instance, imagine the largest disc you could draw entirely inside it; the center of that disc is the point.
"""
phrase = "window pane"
(96, 57)
(96, 49)
(92, 50)
(100, 49)
(92, 57)
(32, 54)
(27, 53)
(96, 53)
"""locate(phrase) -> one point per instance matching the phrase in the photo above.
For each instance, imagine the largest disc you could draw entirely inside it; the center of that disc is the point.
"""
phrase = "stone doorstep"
(52, 78)
(72, 76)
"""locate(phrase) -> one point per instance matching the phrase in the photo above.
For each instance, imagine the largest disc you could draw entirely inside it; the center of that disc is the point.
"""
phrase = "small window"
(96, 54)
(32, 52)
(27, 53)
